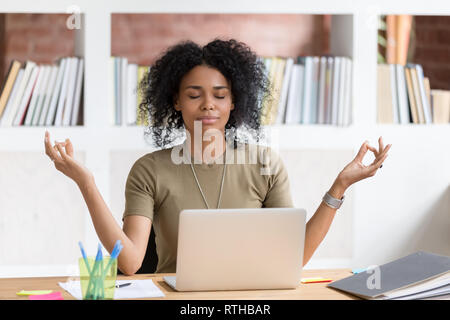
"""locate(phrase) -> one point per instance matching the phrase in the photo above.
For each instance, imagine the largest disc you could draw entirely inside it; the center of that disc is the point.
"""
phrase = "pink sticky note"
(51, 296)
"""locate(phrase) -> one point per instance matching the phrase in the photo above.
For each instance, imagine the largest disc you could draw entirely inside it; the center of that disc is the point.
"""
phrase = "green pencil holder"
(100, 284)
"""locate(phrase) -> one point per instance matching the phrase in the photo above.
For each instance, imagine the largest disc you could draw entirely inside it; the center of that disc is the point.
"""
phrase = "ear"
(176, 104)
(232, 106)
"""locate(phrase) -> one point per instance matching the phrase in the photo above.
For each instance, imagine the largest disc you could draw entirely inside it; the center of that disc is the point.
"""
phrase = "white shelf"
(415, 7)
(288, 136)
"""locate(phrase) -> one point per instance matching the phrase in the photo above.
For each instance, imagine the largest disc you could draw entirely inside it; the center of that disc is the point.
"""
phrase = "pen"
(114, 254)
(123, 285)
(83, 253)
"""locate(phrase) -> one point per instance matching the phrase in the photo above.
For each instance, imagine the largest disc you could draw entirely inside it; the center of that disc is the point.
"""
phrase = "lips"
(208, 119)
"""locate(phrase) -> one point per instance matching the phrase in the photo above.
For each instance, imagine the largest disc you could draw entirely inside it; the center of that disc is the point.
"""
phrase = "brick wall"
(141, 37)
(42, 38)
(432, 49)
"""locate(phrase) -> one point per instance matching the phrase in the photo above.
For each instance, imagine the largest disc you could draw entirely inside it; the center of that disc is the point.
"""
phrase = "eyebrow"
(200, 87)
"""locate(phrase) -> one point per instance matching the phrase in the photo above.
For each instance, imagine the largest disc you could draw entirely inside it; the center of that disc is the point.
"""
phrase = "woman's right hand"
(62, 156)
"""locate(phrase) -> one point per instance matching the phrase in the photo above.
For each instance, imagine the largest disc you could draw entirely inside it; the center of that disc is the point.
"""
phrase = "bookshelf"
(353, 33)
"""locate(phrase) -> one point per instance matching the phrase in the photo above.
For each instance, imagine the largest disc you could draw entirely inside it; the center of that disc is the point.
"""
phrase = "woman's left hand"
(356, 170)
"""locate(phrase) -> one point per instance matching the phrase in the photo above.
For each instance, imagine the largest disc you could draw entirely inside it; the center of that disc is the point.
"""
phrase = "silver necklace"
(221, 185)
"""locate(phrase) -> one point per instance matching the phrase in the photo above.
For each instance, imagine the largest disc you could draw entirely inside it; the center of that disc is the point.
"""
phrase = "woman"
(207, 93)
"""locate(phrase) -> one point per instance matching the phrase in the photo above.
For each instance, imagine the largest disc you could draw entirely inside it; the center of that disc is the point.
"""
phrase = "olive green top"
(160, 185)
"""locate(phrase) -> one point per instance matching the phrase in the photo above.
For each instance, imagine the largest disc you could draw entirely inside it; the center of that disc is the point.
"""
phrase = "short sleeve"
(279, 193)
(140, 189)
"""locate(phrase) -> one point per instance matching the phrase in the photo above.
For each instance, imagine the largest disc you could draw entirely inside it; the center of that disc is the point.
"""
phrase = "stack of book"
(125, 95)
(43, 95)
(404, 96)
(420, 275)
(309, 90)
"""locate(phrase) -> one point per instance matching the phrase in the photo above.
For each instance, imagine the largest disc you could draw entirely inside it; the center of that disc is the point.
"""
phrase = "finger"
(61, 151)
(380, 144)
(362, 151)
(69, 147)
(377, 164)
(49, 151)
(385, 151)
(374, 150)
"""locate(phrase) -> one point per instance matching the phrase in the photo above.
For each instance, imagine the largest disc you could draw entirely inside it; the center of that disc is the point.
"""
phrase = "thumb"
(69, 147)
(362, 151)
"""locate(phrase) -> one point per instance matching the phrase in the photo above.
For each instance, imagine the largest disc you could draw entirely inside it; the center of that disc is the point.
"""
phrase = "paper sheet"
(137, 289)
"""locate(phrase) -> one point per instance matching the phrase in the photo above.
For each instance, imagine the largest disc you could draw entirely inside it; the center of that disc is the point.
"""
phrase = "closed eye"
(194, 97)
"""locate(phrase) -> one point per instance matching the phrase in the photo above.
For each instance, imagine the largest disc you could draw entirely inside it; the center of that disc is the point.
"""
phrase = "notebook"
(416, 276)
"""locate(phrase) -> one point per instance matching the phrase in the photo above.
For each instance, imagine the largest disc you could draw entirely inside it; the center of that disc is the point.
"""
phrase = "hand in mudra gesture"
(62, 156)
(356, 170)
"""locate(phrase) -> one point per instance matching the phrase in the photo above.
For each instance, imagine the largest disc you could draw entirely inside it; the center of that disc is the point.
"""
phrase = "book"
(29, 66)
(426, 83)
(423, 273)
(36, 95)
(39, 118)
(77, 97)
(132, 93)
(281, 116)
(50, 118)
(41, 97)
(63, 93)
(8, 85)
(308, 79)
(328, 90)
(423, 95)
(124, 90)
(440, 100)
(295, 97)
(347, 112)
(321, 91)
(314, 90)
(342, 89)
(384, 95)
(8, 109)
(118, 97)
(335, 91)
(411, 96)
(26, 97)
(416, 90)
(112, 90)
(402, 95)
(68, 105)
(393, 83)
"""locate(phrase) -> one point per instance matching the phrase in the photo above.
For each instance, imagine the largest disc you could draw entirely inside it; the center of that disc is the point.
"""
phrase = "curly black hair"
(245, 71)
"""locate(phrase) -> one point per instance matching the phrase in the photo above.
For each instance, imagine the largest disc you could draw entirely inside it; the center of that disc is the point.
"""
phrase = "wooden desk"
(316, 291)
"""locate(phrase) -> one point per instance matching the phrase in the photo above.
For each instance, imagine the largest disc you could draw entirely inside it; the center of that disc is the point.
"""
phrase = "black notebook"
(417, 276)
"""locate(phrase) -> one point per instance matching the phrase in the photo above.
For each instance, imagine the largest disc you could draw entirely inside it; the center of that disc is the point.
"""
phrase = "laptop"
(239, 249)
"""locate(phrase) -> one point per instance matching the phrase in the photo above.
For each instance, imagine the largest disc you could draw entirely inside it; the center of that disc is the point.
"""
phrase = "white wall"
(404, 208)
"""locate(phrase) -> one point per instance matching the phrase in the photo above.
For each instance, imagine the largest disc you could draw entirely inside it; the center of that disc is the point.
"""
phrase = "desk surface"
(315, 291)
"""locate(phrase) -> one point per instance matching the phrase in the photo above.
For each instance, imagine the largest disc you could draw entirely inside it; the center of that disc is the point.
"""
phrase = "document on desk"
(137, 289)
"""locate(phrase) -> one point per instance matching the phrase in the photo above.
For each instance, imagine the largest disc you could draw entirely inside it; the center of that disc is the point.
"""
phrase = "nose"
(208, 105)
